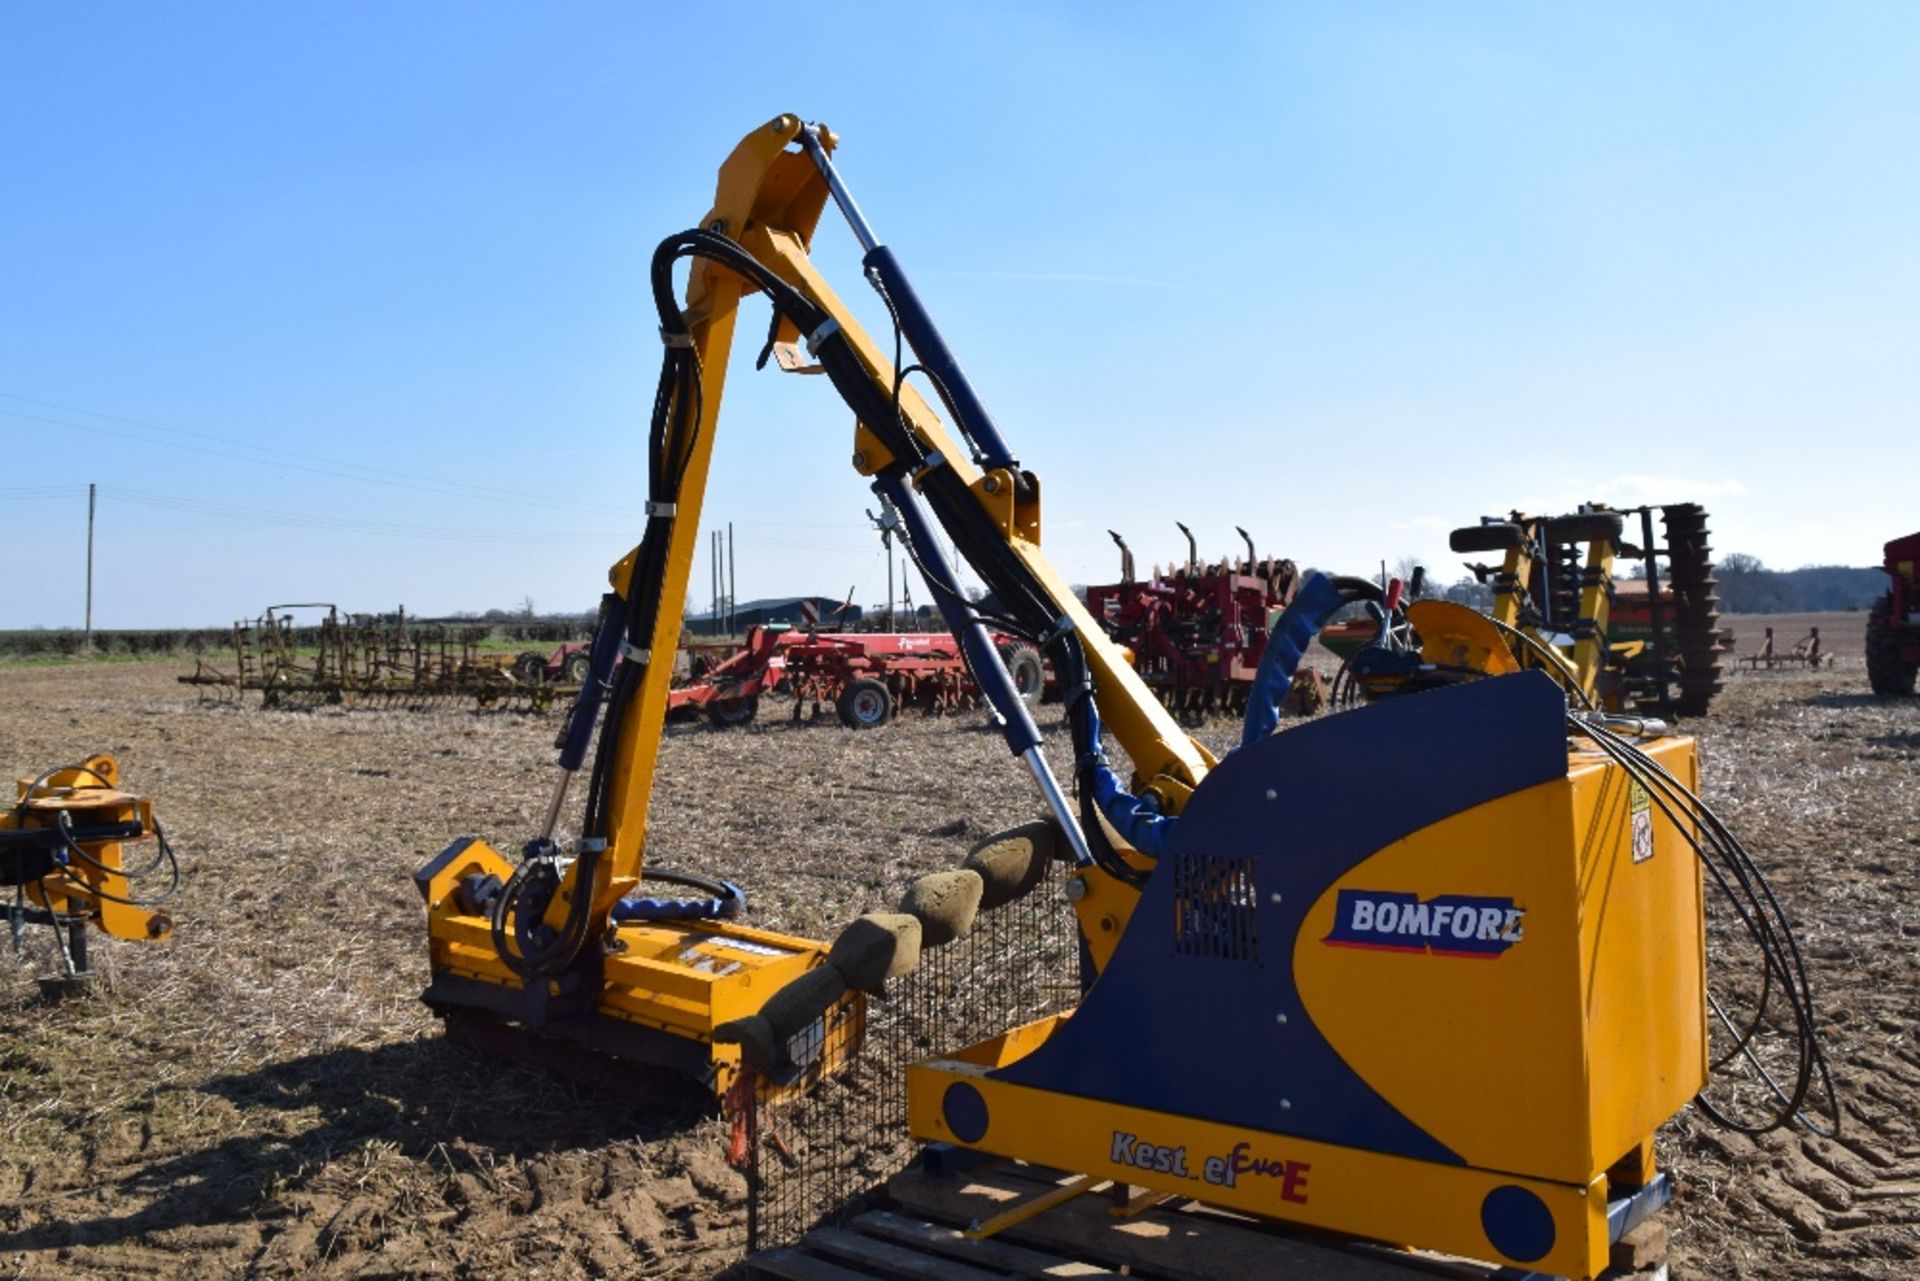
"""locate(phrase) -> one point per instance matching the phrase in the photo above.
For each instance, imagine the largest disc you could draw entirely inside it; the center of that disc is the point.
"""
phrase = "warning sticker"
(1641, 806)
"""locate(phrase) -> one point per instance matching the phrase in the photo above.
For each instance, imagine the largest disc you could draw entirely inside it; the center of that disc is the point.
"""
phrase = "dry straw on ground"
(265, 1093)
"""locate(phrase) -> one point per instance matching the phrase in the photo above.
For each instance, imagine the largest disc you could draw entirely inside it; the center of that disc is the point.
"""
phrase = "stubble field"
(264, 1094)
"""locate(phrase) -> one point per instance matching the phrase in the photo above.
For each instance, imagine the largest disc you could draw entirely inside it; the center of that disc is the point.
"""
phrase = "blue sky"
(347, 302)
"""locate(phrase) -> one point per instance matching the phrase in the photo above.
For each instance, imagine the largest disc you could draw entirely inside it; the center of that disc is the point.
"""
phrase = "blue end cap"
(965, 1112)
(1517, 1222)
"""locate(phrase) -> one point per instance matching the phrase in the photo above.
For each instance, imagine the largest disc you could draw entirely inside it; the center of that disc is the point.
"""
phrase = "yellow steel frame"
(89, 794)
(1583, 667)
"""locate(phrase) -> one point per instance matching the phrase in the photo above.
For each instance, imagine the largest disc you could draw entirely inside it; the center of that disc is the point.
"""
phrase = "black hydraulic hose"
(64, 825)
(712, 885)
(1549, 661)
(988, 671)
(672, 430)
(1766, 907)
(950, 501)
(1745, 888)
(1810, 1060)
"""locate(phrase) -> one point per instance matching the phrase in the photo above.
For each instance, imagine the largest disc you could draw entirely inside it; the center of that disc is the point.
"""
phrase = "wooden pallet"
(917, 1232)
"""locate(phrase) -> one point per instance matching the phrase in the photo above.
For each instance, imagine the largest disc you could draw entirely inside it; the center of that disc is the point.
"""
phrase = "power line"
(30, 493)
(384, 529)
(294, 460)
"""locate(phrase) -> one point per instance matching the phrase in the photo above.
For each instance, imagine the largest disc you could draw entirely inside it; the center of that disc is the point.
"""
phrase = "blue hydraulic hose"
(1138, 820)
(1295, 629)
(682, 909)
(577, 732)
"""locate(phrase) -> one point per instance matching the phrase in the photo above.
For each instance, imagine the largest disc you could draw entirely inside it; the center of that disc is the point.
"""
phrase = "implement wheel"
(577, 668)
(1029, 675)
(865, 704)
(1585, 527)
(1498, 537)
(1889, 677)
(729, 712)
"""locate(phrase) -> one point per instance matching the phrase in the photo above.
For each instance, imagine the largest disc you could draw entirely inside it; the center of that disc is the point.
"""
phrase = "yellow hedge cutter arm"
(564, 944)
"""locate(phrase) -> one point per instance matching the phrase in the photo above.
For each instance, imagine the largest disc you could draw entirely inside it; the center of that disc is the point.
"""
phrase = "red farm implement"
(1197, 632)
(725, 687)
(865, 677)
(1893, 628)
(566, 664)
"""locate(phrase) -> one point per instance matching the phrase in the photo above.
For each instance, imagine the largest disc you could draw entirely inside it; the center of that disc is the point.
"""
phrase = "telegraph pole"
(91, 489)
(886, 522)
(732, 600)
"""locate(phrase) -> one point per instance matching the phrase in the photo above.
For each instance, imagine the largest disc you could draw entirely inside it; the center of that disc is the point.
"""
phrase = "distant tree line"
(1749, 587)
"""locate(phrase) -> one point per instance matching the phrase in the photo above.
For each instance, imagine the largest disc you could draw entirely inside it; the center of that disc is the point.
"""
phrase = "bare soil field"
(264, 1095)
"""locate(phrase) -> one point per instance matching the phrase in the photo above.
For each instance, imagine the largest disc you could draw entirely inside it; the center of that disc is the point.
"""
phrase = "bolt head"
(1286, 1105)
(1281, 1019)
(1272, 795)
(860, 458)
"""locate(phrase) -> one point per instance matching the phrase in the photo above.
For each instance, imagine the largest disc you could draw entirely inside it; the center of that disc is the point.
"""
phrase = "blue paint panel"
(965, 1112)
(1517, 1223)
(1198, 1036)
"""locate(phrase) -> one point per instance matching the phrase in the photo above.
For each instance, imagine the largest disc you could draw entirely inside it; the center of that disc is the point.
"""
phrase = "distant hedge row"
(551, 631)
(60, 643)
(45, 643)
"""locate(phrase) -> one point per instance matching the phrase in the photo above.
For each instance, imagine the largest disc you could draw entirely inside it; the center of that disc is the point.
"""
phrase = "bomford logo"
(1446, 925)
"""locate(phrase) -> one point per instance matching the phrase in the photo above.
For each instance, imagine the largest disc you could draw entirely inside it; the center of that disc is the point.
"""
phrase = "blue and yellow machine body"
(1445, 999)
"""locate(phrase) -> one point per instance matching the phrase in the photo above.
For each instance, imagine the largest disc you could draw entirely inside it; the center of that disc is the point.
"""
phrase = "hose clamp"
(672, 339)
(634, 654)
(929, 464)
(661, 509)
(820, 335)
(1062, 626)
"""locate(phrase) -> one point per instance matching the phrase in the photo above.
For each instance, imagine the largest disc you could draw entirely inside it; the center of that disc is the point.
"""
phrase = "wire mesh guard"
(809, 1161)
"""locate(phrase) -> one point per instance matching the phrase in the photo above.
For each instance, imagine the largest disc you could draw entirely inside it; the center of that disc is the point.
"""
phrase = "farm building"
(773, 611)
